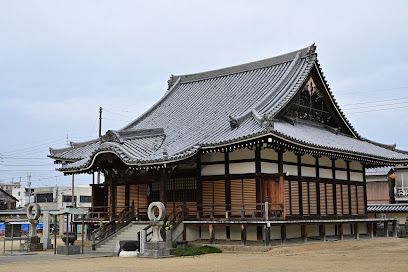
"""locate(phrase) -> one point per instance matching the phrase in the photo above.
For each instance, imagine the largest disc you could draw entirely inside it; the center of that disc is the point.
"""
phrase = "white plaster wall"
(192, 233)
(312, 230)
(242, 168)
(212, 157)
(205, 234)
(308, 171)
(341, 164)
(330, 230)
(356, 176)
(269, 154)
(354, 165)
(269, 168)
(215, 169)
(325, 173)
(235, 232)
(341, 174)
(289, 157)
(308, 159)
(240, 154)
(293, 231)
(362, 228)
(251, 233)
(220, 232)
(325, 161)
(346, 229)
(275, 232)
(290, 169)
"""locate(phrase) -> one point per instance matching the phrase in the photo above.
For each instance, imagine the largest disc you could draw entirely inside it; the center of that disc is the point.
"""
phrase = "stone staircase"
(127, 233)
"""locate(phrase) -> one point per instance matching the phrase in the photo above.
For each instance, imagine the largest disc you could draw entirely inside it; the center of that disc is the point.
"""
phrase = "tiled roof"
(197, 110)
(378, 171)
(387, 208)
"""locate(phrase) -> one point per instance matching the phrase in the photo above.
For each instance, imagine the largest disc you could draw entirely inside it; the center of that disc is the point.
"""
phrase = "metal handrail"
(113, 226)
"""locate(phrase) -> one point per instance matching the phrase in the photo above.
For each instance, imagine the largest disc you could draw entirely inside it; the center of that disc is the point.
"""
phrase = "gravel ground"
(380, 254)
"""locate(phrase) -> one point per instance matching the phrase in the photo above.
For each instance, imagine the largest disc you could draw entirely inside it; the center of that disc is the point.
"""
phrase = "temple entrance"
(273, 191)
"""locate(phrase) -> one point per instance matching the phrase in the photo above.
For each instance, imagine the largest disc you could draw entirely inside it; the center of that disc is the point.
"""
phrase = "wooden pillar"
(227, 186)
(299, 169)
(163, 185)
(113, 198)
(243, 234)
(375, 229)
(303, 232)
(199, 194)
(185, 233)
(370, 230)
(317, 185)
(267, 235)
(341, 235)
(283, 234)
(211, 231)
(322, 232)
(356, 231)
(394, 229)
(258, 184)
(127, 195)
(365, 190)
(334, 186)
(386, 234)
(349, 187)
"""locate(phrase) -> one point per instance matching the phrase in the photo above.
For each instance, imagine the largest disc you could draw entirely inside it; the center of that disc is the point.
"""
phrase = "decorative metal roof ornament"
(112, 136)
(233, 122)
(267, 122)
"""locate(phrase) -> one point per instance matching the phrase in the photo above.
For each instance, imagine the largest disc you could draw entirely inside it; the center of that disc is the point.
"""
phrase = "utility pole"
(73, 193)
(98, 180)
(29, 188)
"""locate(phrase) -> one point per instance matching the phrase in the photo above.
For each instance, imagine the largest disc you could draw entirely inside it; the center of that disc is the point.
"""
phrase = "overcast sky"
(61, 60)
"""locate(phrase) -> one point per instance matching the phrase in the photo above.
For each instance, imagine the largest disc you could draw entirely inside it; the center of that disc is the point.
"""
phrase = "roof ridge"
(240, 68)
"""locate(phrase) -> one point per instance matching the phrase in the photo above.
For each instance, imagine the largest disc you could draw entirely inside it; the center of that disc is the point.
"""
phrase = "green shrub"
(192, 251)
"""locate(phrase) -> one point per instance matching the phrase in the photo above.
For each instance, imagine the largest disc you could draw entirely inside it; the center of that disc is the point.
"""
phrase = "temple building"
(258, 151)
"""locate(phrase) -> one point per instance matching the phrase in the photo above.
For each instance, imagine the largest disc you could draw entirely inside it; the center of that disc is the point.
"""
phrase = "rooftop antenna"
(98, 178)
(67, 139)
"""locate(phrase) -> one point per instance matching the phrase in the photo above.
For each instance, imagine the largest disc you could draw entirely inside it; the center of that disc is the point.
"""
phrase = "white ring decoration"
(37, 211)
(162, 211)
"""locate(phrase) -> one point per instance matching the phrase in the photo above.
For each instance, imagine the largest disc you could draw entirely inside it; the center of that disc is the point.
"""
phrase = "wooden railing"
(108, 229)
(267, 211)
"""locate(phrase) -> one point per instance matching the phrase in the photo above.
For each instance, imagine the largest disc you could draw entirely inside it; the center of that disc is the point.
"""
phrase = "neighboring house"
(387, 194)
(380, 185)
(55, 198)
(7, 201)
(8, 187)
(258, 150)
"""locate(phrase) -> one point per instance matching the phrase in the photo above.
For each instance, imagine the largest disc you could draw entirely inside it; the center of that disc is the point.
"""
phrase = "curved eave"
(312, 148)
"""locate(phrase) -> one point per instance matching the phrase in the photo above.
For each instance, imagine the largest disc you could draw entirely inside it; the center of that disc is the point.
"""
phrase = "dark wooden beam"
(258, 174)
(322, 232)
(113, 198)
(356, 231)
(303, 232)
(299, 167)
(283, 234)
(317, 185)
(349, 187)
(340, 231)
(127, 195)
(227, 182)
(365, 190)
(386, 234)
(243, 234)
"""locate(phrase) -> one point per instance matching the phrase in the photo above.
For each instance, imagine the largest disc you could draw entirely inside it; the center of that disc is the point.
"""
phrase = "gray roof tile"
(194, 113)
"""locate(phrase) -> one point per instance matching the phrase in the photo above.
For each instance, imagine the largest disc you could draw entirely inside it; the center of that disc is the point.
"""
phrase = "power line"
(393, 108)
(373, 90)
